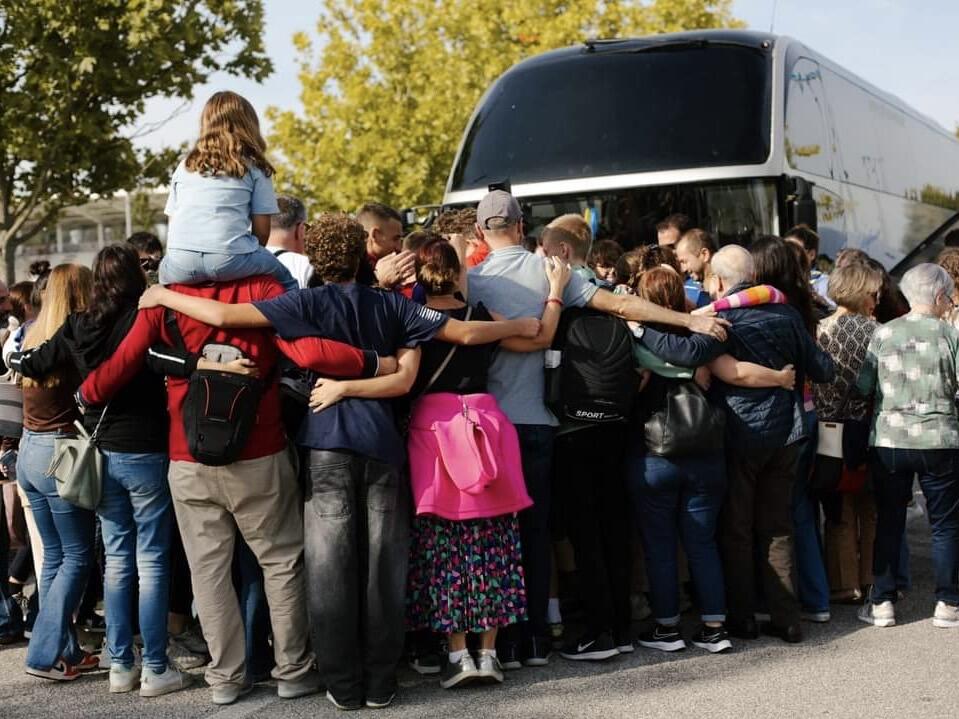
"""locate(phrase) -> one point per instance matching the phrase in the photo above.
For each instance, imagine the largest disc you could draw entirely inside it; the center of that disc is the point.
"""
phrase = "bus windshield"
(606, 113)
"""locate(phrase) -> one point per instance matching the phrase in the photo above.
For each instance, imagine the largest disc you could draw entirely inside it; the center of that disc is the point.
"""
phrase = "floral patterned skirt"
(465, 576)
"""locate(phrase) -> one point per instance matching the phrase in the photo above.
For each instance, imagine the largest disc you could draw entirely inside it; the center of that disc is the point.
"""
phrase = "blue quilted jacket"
(771, 335)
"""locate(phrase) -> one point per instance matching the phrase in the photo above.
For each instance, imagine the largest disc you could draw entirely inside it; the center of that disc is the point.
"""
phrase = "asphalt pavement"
(844, 669)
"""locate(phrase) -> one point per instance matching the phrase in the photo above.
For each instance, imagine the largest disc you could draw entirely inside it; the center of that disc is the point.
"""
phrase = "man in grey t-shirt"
(512, 282)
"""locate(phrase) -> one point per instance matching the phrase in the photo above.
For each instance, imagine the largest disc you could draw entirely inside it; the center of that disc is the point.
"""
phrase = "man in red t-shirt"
(258, 494)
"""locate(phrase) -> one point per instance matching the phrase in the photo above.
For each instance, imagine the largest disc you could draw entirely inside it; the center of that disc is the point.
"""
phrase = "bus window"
(807, 139)
(610, 113)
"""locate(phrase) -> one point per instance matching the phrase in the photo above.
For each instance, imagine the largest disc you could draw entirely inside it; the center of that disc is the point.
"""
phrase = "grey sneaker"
(879, 615)
(123, 679)
(305, 685)
(179, 653)
(228, 693)
(462, 672)
(946, 616)
(156, 685)
(488, 668)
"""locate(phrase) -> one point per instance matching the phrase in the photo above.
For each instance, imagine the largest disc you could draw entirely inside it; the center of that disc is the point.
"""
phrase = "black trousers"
(758, 512)
(589, 467)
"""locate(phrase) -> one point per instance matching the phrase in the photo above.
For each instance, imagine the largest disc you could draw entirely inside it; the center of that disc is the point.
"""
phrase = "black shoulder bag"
(219, 410)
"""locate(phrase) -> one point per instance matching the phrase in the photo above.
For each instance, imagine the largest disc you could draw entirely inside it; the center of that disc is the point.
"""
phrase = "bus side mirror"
(800, 205)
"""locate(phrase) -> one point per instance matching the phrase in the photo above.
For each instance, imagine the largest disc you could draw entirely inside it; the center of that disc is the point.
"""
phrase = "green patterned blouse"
(910, 369)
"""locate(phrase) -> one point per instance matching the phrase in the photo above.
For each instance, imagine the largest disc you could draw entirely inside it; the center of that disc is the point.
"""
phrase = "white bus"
(747, 133)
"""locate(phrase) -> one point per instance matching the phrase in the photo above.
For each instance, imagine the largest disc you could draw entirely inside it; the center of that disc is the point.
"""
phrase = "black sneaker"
(591, 649)
(712, 639)
(667, 639)
(538, 650)
(507, 651)
(624, 642)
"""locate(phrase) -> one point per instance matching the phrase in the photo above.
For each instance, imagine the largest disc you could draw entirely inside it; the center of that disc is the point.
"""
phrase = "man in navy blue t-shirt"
(358, 504)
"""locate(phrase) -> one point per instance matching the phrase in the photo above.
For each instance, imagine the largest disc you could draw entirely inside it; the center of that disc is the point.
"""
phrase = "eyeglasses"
(150, 264)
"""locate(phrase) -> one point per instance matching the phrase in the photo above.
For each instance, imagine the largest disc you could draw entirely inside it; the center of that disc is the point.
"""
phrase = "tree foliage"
(388, 89)
(74, 79)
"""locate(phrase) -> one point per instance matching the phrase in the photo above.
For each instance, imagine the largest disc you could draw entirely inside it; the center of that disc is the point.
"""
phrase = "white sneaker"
(123, 679)
(155, 685)
(879, 615)
(946, 616)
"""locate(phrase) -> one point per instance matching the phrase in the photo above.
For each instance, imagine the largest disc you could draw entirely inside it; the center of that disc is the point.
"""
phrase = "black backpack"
(590, 375)
(219, 410)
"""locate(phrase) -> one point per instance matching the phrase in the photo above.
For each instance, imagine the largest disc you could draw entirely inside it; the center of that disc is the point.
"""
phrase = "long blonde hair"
(68, 290)
(230, 138)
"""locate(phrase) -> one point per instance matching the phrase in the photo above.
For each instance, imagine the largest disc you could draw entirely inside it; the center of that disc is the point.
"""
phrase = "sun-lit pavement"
(845, 669)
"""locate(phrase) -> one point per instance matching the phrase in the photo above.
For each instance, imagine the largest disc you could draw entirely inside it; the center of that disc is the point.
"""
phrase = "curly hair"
(456, 222)
(949, 261)
(335, 244)
(631, 266)
(230, 139)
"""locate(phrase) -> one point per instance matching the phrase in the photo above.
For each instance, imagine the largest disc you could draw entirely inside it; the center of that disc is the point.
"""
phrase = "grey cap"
(498, 204)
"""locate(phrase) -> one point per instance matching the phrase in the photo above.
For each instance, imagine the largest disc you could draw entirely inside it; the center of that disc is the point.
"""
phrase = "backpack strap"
(280, 252)
(169, 319)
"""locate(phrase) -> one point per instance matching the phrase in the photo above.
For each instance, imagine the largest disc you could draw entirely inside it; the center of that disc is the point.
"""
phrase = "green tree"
(388, 90)
(74, 79)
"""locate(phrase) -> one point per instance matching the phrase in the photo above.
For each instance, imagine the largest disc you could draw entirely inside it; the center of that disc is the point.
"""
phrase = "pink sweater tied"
(464, 458)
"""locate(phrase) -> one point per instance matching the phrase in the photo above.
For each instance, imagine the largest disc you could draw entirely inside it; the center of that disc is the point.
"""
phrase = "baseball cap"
(498, 204)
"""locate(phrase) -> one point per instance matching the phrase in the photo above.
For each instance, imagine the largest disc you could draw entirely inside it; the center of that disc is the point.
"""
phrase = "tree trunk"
(9, 245)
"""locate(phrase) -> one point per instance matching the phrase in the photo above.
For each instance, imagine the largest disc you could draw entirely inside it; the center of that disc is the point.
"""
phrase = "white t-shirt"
(298, 265)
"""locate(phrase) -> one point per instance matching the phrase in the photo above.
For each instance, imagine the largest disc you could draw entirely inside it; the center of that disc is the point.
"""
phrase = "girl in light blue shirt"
(220, 203)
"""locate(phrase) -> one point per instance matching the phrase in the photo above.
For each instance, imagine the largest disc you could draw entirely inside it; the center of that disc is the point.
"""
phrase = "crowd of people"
(328, 447)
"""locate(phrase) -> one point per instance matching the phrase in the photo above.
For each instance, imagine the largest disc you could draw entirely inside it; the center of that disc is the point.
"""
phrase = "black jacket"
(771, 335)
(136, 419)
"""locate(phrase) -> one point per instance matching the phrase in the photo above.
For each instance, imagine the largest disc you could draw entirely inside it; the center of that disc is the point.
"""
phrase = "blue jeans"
(938, 471)
(536, 450)
(67, 535)
(135, 517)
(251, 591)
(675, 499)
(813, 584)
(194, 268)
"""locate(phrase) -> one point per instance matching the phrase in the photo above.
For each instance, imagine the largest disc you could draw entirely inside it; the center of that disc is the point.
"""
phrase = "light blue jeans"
(66, 532)
(194, 268)
(136, 515)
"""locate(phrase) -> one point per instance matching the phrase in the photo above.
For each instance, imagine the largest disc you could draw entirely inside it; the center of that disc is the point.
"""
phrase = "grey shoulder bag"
(77, 467)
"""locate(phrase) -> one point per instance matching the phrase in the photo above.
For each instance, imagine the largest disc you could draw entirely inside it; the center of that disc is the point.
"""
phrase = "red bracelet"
(554, 299)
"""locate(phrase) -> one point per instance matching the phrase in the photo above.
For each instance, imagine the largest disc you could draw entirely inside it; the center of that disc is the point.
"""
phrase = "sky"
(905, 47)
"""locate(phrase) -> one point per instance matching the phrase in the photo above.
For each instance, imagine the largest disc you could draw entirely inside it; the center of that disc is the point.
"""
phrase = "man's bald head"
(732, 265)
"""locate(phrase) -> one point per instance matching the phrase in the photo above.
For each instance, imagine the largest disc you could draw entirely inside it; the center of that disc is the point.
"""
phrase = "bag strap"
(449, 356)
(169, 318)
(96, 430)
